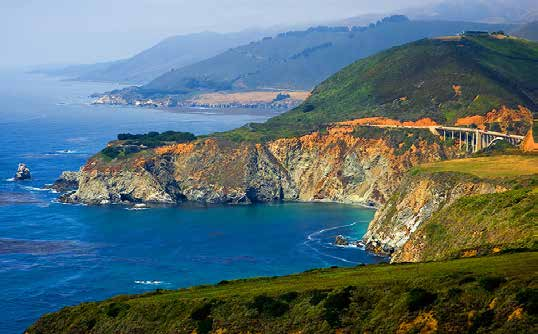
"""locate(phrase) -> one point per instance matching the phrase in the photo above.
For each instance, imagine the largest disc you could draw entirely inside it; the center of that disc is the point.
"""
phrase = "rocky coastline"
(335, 166)
(332, 167)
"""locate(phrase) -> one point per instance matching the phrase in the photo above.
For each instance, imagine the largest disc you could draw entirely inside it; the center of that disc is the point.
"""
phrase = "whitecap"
(11, 179)
(135, 209)
(149, 282)
(346, 246)
(66, 151)
(311, 238)
(34, 188)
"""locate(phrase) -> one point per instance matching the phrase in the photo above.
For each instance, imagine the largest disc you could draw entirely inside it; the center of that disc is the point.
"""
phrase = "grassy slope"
(483, 224)
(492, 72)
(497, 166)
(469, 295)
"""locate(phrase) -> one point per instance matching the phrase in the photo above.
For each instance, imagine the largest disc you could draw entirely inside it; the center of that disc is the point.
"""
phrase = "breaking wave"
(313, 239)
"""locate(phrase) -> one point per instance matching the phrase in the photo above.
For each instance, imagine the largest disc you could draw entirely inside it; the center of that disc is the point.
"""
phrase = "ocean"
(54, 255)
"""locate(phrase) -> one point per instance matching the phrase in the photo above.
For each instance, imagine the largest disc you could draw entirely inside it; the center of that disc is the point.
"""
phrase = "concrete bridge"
(475, 140)
(472, 140)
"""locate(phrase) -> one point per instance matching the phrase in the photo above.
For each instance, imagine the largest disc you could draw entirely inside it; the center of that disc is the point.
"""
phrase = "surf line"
(310, 238)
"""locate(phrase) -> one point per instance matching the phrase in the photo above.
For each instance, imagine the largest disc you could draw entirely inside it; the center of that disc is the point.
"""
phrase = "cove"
(54, 255)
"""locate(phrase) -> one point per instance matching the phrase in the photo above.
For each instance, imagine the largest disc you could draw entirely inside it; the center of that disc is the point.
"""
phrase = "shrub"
(150, 137)
(418, 298)
(528, 297)
(202, 312)
(308, 107)
(114, 309)
(454, 292)
(289, 296)
(317, 297)
(135, 143)
(113, 152)
(335, 303)
(483, 319)
(467, 279)
(269, 306)
(205, 326)
(491, 283)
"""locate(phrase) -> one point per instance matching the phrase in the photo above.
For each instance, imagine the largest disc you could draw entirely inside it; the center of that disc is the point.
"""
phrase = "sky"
(36, 32)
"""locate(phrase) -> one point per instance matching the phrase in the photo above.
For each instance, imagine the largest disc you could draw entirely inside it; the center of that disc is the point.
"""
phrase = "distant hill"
(528, 31)
(488, 11)
(171, 53)
(443, 79)
(298, 59)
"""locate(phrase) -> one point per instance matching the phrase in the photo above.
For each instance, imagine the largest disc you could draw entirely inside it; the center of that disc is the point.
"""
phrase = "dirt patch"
(255, 97)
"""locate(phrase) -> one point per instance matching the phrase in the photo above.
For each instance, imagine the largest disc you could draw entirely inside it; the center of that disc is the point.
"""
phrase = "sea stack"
(341, 241)
(23, 173)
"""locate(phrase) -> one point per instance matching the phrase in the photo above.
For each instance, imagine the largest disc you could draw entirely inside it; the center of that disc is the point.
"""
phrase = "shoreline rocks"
(341, 241)
(68, 181)
(23, 173)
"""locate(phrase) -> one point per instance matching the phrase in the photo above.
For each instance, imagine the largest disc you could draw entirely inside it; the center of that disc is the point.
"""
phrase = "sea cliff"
(461, 208)
(337, 165)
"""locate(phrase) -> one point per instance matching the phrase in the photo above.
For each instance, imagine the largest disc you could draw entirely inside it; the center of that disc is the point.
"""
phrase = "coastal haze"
(63, 32)
(67, 32)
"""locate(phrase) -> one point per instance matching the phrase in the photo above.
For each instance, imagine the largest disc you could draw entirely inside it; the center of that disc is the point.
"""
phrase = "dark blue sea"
(53, 255)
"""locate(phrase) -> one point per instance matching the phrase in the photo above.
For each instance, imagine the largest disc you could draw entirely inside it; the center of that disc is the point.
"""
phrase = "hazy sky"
(86, 31)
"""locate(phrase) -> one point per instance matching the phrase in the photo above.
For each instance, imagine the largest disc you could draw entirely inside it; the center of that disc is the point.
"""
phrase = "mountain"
(488, 11)
(296, 60)
(322, 150)
(172, 53)
(441, 78)
(528, 31)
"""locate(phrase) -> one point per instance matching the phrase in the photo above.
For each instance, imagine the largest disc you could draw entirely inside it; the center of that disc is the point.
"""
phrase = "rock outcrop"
(340, 240)
(335, 166)
(417, 198)
(23, 173)
(68, 181)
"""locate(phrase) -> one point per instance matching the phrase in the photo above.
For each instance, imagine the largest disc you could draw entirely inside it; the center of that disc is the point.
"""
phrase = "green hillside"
(299, 59)
(415, 81)
(496, 294)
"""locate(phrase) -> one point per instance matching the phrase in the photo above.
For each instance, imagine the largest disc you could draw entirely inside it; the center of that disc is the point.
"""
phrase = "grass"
(467, 295)
(481, 224)
(498, 166)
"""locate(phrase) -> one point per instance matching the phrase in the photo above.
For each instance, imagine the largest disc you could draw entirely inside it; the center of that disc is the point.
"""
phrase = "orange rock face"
(385, 121)
(529, 145)
(505, 117)
(333, 166)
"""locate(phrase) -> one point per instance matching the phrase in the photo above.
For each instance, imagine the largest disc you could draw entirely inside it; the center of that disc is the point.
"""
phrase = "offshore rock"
(341, 241)
(23, 173)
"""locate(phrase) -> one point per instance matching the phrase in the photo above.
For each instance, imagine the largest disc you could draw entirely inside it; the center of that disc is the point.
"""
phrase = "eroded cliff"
(339, 164)
(417, 198)
(439, 215)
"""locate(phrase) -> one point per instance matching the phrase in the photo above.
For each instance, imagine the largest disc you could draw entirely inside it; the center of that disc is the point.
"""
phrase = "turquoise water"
(53, 255)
